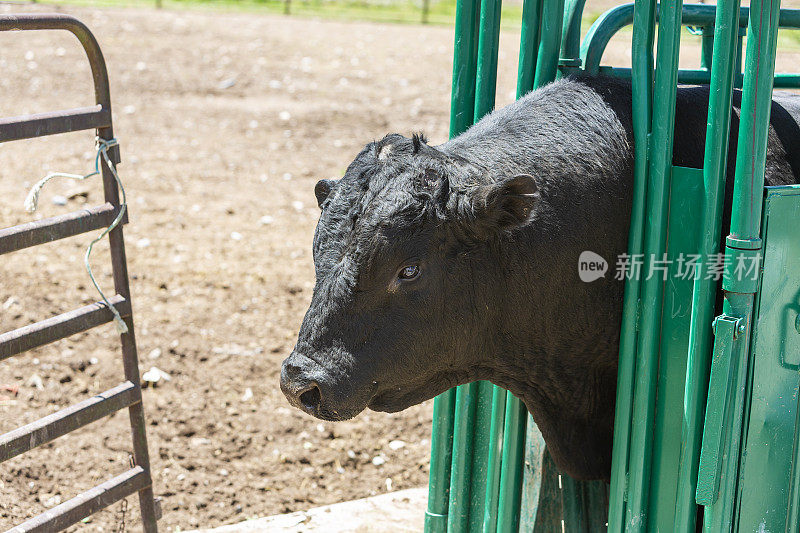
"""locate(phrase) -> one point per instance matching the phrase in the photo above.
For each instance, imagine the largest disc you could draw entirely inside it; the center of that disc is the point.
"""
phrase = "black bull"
(438, 266)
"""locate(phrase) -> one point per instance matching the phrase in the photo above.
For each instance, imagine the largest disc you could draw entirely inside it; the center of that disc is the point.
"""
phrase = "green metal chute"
(690, 406)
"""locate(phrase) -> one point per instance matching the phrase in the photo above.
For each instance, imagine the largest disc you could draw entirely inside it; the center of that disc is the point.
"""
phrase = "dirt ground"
(226, 121)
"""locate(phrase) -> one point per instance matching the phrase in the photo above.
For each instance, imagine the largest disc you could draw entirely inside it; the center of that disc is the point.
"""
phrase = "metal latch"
(726, 330)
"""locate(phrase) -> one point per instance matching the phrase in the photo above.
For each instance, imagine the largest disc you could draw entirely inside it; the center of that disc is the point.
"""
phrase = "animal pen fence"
(127, 394)
(707, 424)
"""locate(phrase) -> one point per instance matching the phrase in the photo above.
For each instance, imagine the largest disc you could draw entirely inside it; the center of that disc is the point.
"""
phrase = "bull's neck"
(557, 348)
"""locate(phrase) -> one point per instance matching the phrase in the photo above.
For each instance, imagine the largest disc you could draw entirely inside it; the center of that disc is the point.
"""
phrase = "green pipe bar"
(703, 77)
(528, 45)
(496, 442)
(486, 83)
(642, 100)
(706, 47)
(488, 46)
(701, 15)
(744, 240)
(486, 453)
(754, 126)
(725, 51)
(514, 432)
(571, 32)
(657, 200)
(472, 452)
(441, 459)
(465, 64)
(513, 456)
(549, 42)
(462, 105)
(461, 471)
(481, 455)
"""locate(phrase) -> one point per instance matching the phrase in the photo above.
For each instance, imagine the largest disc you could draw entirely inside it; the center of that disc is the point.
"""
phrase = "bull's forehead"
(362, 211)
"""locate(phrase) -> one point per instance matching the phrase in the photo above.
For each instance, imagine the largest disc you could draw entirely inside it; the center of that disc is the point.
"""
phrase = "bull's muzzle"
(299, 385)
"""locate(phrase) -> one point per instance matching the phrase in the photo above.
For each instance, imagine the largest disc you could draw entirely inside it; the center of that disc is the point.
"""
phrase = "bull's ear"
(506, 203)
(322, 189)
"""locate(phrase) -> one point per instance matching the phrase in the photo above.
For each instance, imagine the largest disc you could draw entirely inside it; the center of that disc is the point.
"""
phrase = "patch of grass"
(440, 12)
(402, 11)
(789, 39)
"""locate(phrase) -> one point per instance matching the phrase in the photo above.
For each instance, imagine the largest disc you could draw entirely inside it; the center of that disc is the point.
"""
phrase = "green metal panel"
(685, 216)
(769, 455)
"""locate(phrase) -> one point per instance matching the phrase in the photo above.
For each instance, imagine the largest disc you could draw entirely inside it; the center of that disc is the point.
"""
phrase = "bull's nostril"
(311, 398)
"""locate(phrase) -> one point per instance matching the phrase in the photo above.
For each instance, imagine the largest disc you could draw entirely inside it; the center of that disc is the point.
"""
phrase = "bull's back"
(783, 150)
(691, 115)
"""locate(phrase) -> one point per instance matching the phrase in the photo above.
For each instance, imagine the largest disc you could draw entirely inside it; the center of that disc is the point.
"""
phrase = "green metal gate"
(705, 417)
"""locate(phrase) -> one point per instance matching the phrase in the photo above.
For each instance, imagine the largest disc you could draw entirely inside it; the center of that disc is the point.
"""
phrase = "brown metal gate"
(126, 395)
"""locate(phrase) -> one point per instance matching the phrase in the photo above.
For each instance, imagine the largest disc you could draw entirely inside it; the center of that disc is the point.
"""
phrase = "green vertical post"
(549, 42)
(465, 64)
(488, 47)
(481, 455)
(473, 452)
(462, 105)
(461, 470)
(642, 94)
(490, 453)
(754, 121)
(515, 422)
(538, 62)
(660, 163)
(496, 438)
(511, 475)
(744, 240)
(441, 458)
(707, 47)
(571, 32)
(528, 45)
(723, 67)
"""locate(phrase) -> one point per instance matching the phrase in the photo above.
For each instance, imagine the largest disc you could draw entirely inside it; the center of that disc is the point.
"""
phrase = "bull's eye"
(408, 273)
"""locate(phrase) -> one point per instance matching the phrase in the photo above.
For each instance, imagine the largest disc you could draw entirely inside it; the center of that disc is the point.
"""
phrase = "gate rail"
(126, 395)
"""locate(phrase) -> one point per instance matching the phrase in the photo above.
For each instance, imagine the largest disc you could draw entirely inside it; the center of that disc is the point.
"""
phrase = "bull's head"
(404, 305)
